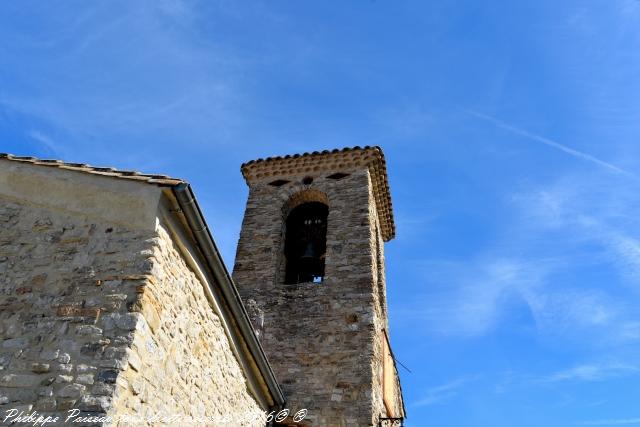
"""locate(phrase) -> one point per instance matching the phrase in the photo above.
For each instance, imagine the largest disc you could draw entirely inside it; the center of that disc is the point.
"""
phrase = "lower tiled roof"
(161, 180)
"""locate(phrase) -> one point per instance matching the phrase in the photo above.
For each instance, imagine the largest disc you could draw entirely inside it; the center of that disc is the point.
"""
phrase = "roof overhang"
(371, 158)
(194, 219)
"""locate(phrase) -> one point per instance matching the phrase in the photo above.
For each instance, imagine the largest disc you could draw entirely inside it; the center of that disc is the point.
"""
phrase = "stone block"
(95, 403)
(103, 389)
(50, 354)
(40, 368)
(15, 343)
(71, 390)
(47, 404)
(86, 379)
(108, 376)
(19, 380)
(47, 381)
(64, 367)
(45, 392)
(64, 378)
(66, 404)
(73, 311)
(128, 321)
(134, 361)
(88, 330)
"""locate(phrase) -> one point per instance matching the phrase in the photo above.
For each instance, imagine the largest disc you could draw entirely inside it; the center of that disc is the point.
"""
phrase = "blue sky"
(511, 134)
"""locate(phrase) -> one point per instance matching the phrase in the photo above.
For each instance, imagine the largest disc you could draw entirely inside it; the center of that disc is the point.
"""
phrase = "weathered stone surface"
(86, 379)
(96, 284)
(89, 329)
(108, 376)
(20, 342)
(56, 327)
(71, 390)
(135, 362)
(64, 379)
(95, 403)
(180, 360)
(323, 340)
(171, 355)
(128, 321)
(47, 404)
(45, 392)
(47, 381)
(40, 368)
(81, 368)
(19, 380)
(5, 359)
(64, 367)
(50, 354)
(103, 389)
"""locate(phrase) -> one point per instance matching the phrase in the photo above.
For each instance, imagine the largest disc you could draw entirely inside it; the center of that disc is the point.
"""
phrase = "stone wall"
(321, 339)
(184, 363)
(101, 312)
(394, 406)
(66, 283)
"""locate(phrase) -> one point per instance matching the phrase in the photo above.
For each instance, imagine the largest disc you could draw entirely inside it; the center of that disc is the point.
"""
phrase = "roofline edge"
(259, 169)
(191, 210)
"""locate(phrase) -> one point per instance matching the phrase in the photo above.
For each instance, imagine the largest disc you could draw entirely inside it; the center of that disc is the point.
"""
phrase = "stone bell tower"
(310, 269)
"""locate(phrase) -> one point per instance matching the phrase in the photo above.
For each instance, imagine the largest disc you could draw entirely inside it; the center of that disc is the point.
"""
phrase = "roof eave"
(369, 157)
(196, 222)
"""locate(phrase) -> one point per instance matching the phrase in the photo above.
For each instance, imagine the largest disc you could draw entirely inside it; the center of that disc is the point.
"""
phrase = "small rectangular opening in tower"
(278, 182)
(338, 175)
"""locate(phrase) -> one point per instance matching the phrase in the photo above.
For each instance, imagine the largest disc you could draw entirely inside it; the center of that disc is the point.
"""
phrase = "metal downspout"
(194, 217)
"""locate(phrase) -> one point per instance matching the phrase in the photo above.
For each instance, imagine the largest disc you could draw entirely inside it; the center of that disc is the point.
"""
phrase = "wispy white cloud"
(484, 292)
(45, 140)
(551, 143)
(594, 219)
(566, 379)
(478, 294)
(444, 392)
(139, 70)
(628, 250)
(558, 311)
(606, 212)
(559, 236)
(592, 372)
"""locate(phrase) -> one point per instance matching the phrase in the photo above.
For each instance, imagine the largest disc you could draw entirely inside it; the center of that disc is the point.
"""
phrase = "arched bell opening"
(306, 243)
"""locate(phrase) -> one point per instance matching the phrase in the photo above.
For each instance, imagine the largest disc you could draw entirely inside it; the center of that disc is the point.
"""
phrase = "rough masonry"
(108, 307)
(115, 304)
(326, 341)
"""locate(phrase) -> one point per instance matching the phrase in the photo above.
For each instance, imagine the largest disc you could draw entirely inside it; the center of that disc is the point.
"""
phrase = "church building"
(116, 308)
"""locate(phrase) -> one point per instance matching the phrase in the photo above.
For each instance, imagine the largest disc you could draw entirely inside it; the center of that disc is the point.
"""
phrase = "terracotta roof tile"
(155, 179)
(371, 157)
(336, 159)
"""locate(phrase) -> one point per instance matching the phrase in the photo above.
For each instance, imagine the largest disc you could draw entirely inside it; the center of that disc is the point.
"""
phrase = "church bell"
(309, 252)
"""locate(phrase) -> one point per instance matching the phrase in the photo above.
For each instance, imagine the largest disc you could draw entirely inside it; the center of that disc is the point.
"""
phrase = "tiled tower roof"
(332, 160)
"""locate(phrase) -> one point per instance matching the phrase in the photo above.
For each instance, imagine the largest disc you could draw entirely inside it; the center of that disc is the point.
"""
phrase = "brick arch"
(303, 196)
